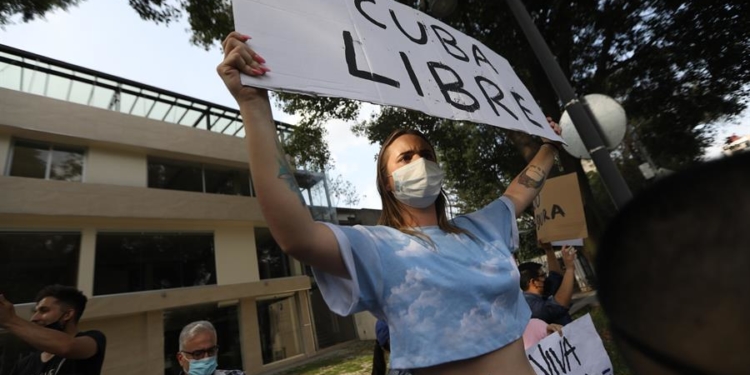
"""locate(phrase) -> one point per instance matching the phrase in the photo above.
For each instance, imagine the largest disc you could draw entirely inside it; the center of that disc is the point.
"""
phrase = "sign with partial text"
(384, 52)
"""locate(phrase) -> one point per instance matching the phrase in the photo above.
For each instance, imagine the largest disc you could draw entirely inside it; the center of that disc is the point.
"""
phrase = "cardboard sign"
(384, 52)
(558, 210)
(579, 351)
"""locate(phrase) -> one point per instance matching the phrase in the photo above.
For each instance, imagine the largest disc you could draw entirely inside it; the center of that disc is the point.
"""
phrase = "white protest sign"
(578, 352)
(384, 52)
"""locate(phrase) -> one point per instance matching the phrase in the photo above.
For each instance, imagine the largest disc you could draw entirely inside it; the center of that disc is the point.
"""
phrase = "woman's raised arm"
(281, 202)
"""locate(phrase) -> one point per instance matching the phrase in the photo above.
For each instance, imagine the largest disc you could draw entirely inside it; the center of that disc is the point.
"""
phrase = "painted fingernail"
(259, 58)
(265, 69)
(257, 71)
(247, 37)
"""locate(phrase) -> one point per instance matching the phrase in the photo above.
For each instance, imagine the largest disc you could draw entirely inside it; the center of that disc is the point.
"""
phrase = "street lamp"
(579, 112)
(584, 121)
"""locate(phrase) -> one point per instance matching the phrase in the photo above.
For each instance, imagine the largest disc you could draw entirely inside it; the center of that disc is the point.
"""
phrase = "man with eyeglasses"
(549, 296)
(53, 331)
(198, 350)
(670, 268)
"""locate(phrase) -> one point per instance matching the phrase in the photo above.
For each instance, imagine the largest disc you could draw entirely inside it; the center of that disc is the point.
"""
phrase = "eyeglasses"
(202, 353)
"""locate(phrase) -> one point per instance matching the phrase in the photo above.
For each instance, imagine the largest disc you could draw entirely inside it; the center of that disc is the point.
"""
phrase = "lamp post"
(579, 112)
(585, 123)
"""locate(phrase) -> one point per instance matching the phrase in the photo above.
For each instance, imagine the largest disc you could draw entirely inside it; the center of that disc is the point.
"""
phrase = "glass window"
(133, 262)
(186, 176)
(272, 262)
(30, 261)
(66, 164)
(227, 181)
(29, 160)
(39, 160)
(175, 175)
(280, 334)
(223, 318)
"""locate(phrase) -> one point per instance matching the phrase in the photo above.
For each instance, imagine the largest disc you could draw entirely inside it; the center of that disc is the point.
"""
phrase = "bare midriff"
(508, 360)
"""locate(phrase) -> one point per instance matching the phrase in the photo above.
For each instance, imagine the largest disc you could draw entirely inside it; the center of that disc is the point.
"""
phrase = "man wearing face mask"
(198, 350)
(60, 348)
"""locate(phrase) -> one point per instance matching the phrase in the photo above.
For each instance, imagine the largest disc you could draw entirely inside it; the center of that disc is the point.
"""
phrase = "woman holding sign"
(447, 288)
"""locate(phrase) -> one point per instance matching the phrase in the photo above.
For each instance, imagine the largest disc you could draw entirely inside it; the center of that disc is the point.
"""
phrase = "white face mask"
(418, 183)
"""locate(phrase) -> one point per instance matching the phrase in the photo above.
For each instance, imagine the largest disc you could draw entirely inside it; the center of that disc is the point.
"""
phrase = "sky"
(108, 36)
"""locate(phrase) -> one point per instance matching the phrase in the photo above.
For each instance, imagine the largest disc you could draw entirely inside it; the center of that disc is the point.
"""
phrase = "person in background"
(538, 330)
(198, 350)
(61, 349)
(549, 307)
(672, 269)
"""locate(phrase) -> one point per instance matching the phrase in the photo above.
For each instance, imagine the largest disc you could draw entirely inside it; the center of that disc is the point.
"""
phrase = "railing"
(35, 74)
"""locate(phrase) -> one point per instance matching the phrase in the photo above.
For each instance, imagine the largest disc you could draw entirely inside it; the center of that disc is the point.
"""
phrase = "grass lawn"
(356, 358)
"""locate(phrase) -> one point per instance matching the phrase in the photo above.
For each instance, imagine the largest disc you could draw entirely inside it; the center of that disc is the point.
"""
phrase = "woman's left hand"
(555, 127)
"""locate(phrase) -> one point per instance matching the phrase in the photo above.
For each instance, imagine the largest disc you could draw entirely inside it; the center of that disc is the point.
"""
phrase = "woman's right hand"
(240, 58)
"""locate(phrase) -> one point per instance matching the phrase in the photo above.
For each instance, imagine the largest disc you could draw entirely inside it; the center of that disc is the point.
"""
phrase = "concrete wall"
(114, 197)
(135, 343)
(236, 255)
(31, 196)
(38, 117)
(116, 167)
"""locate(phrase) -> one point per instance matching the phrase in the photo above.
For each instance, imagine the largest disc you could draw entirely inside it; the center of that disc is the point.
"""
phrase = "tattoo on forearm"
(532, 177)
(286, 174)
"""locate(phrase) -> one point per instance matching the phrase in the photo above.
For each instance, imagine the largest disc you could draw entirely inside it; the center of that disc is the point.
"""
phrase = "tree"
(674, 66)
(343, 193)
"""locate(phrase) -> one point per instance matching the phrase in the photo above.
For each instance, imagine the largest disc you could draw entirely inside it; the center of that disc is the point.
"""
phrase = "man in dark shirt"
(53, 331)
(549, 296)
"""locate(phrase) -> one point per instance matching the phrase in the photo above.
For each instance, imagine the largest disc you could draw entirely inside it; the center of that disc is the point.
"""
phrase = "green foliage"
(343, 193)
(674, 66)
(30, 10)
(307, 148)
(307, 144)
(155, 10)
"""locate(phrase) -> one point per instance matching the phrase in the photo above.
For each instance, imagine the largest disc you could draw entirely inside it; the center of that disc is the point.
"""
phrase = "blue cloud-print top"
(454, 299)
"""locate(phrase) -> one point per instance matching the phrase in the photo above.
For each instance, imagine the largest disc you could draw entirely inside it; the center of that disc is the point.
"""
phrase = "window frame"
(48, 163)
(76, 266)
(100, 232)
(203, 166)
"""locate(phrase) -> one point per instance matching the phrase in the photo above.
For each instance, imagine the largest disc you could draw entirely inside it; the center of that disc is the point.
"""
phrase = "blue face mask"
(205, 366)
